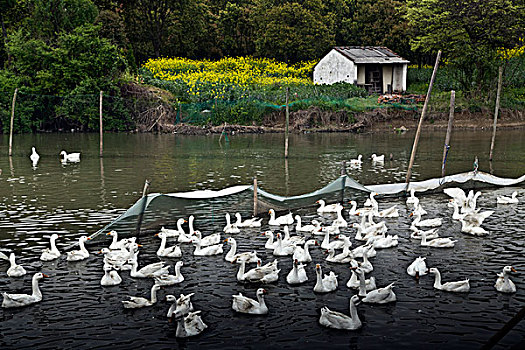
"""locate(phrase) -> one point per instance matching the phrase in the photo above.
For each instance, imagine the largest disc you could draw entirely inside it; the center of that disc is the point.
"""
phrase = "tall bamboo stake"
(500, 77)
(287, 122)
(101, 129)
(423, 113)
(12, 122)
(255, 196)
(449, 131)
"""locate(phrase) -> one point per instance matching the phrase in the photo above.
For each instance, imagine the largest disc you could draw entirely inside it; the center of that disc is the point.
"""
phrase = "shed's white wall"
(334, 68)
(400, 77)
(361, 71)
(387, 77)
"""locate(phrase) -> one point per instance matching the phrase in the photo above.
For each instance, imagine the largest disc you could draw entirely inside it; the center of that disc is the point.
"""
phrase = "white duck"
(212, 239)
(249, 257)
(326, 244)
(111, 277)
(376, 296)
(337, 320)
(298, 273)
(503, 283)
(306, 228)
(377, 159)
(353, 282)
(356, 162)
(253, 222)
(230, 227)
(458, 287)
(170, 252)
(325, 284)
(440, 242)
(181, 306)
(70, 158)
(327, 208)
(206, 251)
(270, 244)
(19, 300)
(303, 254)
(247, 305)
(417, 233)
(82, 253)
(281, 220)
(138, 302)
(190, 325)
(417, 268)
(53, 253)
(14, 270)
(169, 280)
(435, 222)
(508, 200)
(151, 270)
(34, 156)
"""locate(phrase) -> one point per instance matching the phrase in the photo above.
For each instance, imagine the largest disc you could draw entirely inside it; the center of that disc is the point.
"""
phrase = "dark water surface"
(76, 200)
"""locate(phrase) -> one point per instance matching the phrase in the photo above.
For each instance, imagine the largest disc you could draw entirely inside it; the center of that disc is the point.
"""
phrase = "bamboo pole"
(287, 122)
(12, 122)
(143, 208)
(101, 128)
(500, 77)
(449, 131)
(423, 113)
(255, 196)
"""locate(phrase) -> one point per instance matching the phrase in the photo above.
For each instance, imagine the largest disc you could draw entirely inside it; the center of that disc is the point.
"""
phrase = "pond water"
(79, 199)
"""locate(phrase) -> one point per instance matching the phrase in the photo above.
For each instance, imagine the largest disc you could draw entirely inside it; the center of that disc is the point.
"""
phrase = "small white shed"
(376, 68)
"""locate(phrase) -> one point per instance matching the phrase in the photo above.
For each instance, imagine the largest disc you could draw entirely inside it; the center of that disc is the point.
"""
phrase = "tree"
(469, 32)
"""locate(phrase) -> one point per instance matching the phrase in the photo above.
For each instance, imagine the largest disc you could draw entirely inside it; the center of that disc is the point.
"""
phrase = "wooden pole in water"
(500, 77)
(287, 122)
(101, 128)
(449, 130)
(423, 113)
(255, 196)
(504, 330)
(12, 122)
(144, 202)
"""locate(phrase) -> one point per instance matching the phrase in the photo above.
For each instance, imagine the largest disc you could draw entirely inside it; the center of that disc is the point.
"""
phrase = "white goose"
(82, 253)
(306, 228)
(341, 258)
(230, 227)
(327, 208)
(366, 265)
(169, 232)
(19, 300)
(70, 158)
(412, 200)
(425, 223)
(326, 244)
(303, 254)
(249, 257)
(270, 244)
(383, 242)
(340, 221)
(298, 273)
(503, 283)
(111, 277)
(473, 229)
(418, 234)
(138, 302)
(151, 270)
(53, 253)
(190, 325)
(247, 305)
(353, 282)
(376, 296)
(14, 270)
(337, 320)
(458, 196)
(417, 268)
(282, 248)
(295, 240)
(212, 239)
(356, 162)
(377, 159)
(181, 306)
(440, 242)
(281, 220)
(170, 252)
(253, 222)
(419, 210)
(34, 157)
(258, 274)
(115, 243)
(169, 280)
(183, 237)
(325, 284)
(355, 211)
(513, 199)
(368, 249)
(458, 287)
(206, 251)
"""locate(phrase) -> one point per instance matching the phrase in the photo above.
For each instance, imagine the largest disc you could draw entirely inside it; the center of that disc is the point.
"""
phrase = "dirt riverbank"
(316, 120)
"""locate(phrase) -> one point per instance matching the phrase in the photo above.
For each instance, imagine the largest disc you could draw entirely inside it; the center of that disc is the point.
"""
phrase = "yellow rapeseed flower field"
(242, 72)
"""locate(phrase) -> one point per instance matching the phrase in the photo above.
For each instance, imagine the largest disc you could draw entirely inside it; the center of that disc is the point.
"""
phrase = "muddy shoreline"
(315, 120)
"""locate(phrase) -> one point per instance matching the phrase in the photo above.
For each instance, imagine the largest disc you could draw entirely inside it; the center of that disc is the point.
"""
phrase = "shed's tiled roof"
(370, 54)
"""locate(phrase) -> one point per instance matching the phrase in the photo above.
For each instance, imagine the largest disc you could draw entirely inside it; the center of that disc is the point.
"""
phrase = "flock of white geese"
(122, 255)
(65, 158)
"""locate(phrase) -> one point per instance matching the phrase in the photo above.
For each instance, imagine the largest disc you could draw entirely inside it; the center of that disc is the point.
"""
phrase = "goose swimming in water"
(19, 300)
(139, 302)
(458, 287)
(503, 283)
(70, 158)
(14, 270)
(508, 200)
(327, 208)
(325, 284)
(190, 325)
(51, 253)
(247, 305)
(337, 320)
